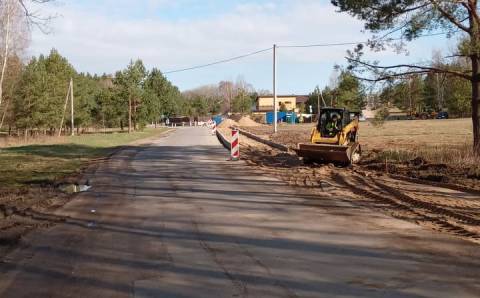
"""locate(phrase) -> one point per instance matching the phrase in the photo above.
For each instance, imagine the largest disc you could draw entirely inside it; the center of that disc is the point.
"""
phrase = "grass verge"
(455, 156)
(46, 163)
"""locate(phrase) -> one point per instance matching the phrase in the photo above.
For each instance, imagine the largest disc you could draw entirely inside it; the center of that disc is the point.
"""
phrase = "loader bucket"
(329, 153)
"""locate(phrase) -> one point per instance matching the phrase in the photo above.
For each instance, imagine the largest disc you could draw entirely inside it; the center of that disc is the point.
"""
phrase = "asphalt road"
(176, 219)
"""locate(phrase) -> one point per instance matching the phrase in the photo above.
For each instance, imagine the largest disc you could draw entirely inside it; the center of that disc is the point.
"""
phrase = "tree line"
(344, 90)
(426, 93)
(35, 95)
(223, 98)
(413, 94)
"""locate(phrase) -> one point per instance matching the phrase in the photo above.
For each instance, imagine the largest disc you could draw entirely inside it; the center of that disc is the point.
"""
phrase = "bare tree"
(33, 14)
(16, 18)
(13, 35)
(226, 90)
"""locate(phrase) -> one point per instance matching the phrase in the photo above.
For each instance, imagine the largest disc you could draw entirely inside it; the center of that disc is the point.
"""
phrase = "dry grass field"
(393, 135)
(416, 134)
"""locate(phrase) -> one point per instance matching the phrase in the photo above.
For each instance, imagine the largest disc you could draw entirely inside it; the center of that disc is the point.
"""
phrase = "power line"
(355, 43)
(295, 46)
(219, 62)
(322, 45)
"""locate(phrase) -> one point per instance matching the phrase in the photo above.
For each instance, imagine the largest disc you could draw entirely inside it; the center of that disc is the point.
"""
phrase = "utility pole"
(439, 93)
(129, 114)
(64, 109)
(318, 103)
(71, 107)
(410, 94)
(275, 88)
(323, 100)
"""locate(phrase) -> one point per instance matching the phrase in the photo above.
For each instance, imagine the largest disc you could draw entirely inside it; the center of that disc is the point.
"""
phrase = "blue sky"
(103, 36)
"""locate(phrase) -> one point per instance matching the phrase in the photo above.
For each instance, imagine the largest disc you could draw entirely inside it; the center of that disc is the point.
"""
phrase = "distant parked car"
(442, 115)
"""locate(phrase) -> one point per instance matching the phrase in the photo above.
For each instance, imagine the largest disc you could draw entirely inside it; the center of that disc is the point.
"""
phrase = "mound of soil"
(227, 123)
(236, 117)
(291, 139)
(246, 121)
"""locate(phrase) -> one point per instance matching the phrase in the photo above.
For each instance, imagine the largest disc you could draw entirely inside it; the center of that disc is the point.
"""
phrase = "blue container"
(217, 119)
(291, 117)
(281, 117)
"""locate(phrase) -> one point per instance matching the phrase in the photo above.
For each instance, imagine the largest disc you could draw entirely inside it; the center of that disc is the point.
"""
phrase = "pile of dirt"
(246, 121)
(290, 139)
(236, 117)
(264, 156)
(227, 123)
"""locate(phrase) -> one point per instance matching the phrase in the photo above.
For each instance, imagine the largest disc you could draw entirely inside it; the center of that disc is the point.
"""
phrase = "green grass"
(46, 163)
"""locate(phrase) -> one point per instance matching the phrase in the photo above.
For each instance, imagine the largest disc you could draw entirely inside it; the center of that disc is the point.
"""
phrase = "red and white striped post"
(235, 147)
(214, 128)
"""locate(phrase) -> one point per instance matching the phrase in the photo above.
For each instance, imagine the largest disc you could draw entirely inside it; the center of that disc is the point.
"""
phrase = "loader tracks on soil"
(422, 212)
(453, 210)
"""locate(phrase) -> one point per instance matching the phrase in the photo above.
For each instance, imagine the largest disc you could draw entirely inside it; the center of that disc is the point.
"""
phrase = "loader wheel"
(356, 156)
(352, 137)
(307, 161)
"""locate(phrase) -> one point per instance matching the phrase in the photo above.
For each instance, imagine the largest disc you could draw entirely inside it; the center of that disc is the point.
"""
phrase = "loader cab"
(332, 121)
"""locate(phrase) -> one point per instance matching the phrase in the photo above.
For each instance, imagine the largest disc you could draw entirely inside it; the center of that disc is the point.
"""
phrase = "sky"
(103, 36)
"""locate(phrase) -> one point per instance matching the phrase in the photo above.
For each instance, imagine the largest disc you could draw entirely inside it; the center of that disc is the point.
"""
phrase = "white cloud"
(248, 27)
(97, 41)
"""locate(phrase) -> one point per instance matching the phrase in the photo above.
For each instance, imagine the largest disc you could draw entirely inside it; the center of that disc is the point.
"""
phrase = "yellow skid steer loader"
(334, 139)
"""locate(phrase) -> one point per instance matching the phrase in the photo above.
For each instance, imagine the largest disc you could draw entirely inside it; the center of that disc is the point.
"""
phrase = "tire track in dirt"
(405, 204)
(427, 206)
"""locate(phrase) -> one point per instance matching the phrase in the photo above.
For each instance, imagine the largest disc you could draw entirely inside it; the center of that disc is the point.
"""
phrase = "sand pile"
(227, 123)
(246, 121)
(236, 117)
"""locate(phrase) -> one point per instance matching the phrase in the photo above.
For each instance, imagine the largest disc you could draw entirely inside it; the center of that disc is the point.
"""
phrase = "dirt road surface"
(176, 219)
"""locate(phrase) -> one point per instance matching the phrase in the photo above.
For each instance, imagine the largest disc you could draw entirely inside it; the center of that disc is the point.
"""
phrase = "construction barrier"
(235, 147)
(225, 143)
(212, 125)
(214, 128)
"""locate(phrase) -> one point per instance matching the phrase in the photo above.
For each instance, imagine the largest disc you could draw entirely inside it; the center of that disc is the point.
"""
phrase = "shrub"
(380, 117)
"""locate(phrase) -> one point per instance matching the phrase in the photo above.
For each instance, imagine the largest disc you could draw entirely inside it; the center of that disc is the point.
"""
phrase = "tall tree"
(13, 34)
(349, 92)
(41, 94)
(130, 83)
(314, 99)
(86, 89)
(10, 85)
(410, 19)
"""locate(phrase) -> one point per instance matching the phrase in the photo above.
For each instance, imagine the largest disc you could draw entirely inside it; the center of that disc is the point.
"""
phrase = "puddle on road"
(74, 188)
